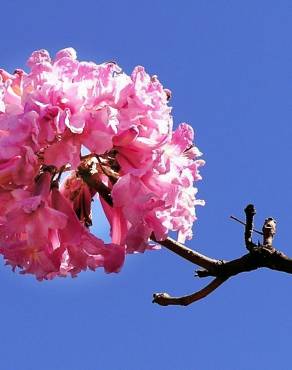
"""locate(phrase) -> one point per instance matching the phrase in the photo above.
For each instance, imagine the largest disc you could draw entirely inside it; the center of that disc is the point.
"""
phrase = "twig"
(164, 299)
(187, 253)
(243, 223)
(250, 213)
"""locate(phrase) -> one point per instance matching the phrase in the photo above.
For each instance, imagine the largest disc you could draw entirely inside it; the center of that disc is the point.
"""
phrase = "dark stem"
(164, 299)
(250, 213)
(187, 253)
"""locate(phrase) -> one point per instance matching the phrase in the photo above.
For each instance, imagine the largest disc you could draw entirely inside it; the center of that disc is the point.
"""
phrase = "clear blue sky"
(228, 64)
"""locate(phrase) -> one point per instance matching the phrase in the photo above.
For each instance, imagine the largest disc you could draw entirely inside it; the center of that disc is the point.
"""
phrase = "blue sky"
(228, 64)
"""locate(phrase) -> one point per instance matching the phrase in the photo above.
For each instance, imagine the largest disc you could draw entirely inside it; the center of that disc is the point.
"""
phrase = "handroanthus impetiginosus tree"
(72, 132)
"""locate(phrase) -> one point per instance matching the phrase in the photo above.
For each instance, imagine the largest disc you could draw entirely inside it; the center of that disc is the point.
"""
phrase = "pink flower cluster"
(112, 135)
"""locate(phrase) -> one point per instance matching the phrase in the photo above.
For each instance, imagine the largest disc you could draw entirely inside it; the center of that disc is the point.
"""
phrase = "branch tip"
(250, 210)
(164, 299)
(249, 216)
(269, 231)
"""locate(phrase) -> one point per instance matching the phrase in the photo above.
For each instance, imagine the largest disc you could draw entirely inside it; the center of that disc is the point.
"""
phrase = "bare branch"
(164, 299)
(187, 253)
(249, 212)
(261, 257)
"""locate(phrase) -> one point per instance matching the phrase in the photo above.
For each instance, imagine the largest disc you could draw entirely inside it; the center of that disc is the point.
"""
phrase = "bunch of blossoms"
(71, 132)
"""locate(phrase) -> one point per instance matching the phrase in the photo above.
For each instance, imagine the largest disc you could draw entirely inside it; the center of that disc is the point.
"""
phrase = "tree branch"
(260, 257)
(188, 254)
(164, 299)
(250, 213)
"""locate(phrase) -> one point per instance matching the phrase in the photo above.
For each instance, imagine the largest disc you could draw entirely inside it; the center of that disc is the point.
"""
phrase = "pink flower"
(114, 133)
(84, 250)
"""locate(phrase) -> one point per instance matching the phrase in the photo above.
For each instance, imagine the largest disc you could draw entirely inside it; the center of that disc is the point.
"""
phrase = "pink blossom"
(139, 168)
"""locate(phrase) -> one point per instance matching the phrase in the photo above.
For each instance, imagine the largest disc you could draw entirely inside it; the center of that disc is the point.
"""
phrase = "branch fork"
(259, 255)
